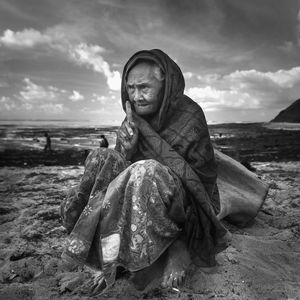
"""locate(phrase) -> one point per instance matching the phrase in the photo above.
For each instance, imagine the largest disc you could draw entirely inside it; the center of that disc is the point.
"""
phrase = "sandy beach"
(73, 72)
(261, 262)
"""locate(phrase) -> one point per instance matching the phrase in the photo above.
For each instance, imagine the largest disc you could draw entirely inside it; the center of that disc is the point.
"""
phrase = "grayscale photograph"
(150, 149)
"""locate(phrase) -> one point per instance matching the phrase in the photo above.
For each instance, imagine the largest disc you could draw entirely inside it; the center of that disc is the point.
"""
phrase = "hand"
(128, 133)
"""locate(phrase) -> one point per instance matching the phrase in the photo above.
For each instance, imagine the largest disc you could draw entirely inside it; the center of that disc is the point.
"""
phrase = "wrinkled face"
(144, 89)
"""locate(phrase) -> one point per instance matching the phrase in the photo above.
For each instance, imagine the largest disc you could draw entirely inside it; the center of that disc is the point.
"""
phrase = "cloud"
(246, 89)
(58, 37)
(32, 92)
(90, 55)
(102, 99)
(7, 104)
(55, 38)
(4, 99)
(76, 96)
(55, 89)
(38, 98)
(27, 106)
(280, 78)
(212, 99)
(35, 99)
(188, 75)
(26, 38)
(53, 108)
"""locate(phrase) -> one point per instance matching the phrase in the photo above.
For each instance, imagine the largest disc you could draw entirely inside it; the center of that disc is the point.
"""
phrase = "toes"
(178, 279)
(99, 288)
(175, 280)
(181, 278)
(99, 284)
(170, 280)
(167, 281)
(164, 282)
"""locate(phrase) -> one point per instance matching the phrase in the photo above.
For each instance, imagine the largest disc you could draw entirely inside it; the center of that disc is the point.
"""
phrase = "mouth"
(141, 104)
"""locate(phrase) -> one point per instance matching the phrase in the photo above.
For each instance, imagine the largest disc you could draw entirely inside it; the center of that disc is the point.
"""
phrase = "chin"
(143, 111)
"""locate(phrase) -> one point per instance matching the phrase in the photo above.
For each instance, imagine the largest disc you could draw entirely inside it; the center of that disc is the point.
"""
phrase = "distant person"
(103, 141)
(48, 143)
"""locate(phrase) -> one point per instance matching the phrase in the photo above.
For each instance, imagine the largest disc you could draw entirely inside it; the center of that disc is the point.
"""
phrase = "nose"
(137, 95)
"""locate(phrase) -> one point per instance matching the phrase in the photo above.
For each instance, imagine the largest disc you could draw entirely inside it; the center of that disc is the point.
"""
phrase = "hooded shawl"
(177, 136)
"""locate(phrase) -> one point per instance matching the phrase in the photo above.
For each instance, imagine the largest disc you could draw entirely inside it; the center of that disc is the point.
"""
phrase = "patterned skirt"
(122, 214)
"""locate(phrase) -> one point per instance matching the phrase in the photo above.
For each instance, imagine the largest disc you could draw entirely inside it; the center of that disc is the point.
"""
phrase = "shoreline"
(245, 142)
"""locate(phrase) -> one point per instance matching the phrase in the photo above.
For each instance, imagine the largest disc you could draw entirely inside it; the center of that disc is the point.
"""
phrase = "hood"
(174, 82)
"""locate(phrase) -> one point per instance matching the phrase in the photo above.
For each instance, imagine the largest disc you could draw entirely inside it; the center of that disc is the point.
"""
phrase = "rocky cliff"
(290, 114)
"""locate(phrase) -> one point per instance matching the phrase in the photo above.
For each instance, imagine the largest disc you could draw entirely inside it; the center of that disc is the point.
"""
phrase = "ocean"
(253, 141)
(52, 123)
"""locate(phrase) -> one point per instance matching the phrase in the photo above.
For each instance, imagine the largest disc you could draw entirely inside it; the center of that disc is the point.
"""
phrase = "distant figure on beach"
(48, 143)
(103, 141)
(152, 204)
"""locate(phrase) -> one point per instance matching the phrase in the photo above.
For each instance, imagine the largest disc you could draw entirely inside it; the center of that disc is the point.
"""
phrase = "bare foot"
(94, 286)
(178, 263)
(141, 279)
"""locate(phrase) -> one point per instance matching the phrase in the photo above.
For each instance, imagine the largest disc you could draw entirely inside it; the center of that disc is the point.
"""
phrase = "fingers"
(129, 128)
(129, 112)
(129, 118)
(127, 133)
(124, 134)
(173, 280)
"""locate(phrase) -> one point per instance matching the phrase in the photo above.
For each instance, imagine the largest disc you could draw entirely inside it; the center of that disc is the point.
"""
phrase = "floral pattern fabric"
(131, 215)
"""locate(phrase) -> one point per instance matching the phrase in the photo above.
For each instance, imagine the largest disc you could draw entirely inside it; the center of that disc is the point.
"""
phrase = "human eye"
(144, 88)
(129, 88)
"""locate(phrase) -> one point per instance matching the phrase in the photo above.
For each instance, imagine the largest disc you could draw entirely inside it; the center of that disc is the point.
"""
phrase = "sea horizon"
(55, 123)
(89, 123)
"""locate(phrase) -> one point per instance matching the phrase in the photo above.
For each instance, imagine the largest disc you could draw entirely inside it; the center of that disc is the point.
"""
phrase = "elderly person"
(153, 201)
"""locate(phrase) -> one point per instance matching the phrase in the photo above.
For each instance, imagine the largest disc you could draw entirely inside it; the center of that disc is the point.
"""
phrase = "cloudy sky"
(64, 59)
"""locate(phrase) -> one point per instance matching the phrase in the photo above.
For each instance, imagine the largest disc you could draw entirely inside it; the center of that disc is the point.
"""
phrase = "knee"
(107, 157)
(151, 166)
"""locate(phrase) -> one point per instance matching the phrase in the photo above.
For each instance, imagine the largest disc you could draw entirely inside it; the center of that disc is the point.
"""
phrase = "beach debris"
(48, 214)
(231, 255)
(31, 233)
(22, 253)
(70, 281)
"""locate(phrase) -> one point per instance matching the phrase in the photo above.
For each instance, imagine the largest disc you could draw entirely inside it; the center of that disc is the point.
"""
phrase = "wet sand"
(262, 261)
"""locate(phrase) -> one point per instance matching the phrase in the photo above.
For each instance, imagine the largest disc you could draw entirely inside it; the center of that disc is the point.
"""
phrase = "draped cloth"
(177, 136)
(242, 193)
(176, 171)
